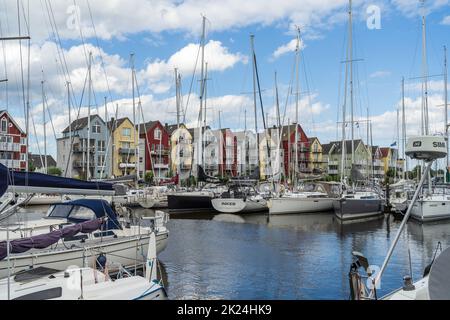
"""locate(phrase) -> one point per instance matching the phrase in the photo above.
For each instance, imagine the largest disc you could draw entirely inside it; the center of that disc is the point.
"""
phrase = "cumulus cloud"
(159, 73)
(446, 21)
(286, 48)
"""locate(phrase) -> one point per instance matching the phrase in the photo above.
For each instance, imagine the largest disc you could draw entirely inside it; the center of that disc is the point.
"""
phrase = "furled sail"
(43, 241)
(31, 182)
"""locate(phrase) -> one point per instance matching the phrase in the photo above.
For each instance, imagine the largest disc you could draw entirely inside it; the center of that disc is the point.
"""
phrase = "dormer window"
(4, 125)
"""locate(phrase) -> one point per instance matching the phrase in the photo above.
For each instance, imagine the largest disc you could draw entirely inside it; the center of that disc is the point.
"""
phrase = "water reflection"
(306, 256)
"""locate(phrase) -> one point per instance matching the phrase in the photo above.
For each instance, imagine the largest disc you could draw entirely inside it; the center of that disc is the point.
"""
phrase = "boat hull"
(239, 205)
(189, 203)
(354, 209)
(299, 205)
(120, 251)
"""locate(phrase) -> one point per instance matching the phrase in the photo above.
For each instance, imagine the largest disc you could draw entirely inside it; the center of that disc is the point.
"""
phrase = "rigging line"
(50, 115)
(192, 83)
(60, 51)
(5, 66)
(37, 140)
(81, 33)
(100, 54)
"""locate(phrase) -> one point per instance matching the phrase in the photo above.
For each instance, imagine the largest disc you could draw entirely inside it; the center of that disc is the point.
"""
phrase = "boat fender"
(101, 262)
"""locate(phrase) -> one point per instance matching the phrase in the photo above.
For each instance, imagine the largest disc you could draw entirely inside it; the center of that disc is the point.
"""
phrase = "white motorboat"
(240, 199)
(85, 283)
(121, 242)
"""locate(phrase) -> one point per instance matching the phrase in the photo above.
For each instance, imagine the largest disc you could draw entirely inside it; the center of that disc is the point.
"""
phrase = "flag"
(394, 144)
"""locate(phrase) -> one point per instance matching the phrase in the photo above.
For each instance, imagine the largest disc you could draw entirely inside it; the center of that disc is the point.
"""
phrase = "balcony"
(333, 171)
(127, 165)
(83, 164)
(127, 151)
(8, 146)
(158, 152)
(79, 149)
(12, 164)
(185, 167)
(161, 166)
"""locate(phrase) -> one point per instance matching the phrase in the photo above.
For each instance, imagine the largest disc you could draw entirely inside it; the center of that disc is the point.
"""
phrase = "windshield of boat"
(71, 212)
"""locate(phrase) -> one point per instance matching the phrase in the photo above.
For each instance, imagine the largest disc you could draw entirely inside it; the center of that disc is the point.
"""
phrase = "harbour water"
(305, 256)
(287, 257)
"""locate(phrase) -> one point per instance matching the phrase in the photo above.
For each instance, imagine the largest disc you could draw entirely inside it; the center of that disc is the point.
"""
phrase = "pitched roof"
(37, 163)
(385, 152)
(114, 124)
(11, 119)
(312, 139)
(171, 128)
(348, 146)
(144, 127)
(80, 123)
(327, 147)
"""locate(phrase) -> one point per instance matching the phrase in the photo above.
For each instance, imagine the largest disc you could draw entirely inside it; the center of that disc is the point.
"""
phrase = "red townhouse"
(289, 148)
(13, 149)
(229, 165)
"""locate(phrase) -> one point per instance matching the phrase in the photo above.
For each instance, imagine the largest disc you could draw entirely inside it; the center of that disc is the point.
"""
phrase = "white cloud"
(288, 47)
(380, 74)
(446, 21)
(159, 74)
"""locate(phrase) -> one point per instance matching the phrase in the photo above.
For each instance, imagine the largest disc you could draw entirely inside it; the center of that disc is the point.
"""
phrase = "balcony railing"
(127, 151)
(158, 152)
(83, 164)
(79, 149)
(161, 166)
(127, 165)
(8, 146)
(14, 164)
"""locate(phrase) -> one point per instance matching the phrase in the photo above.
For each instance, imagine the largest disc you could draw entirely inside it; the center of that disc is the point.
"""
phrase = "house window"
(157, 134)
(101, 146)
(126, 132)
(101, 160)
(4, 125)
(23, 141)
(96, 128)
(22, 157)
(126, 145)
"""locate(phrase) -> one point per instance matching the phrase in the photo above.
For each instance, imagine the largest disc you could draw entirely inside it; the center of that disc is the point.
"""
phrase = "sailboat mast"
(350, 33)
(297, 95)
(134, 117)
(446, 110)
(405, 165)
(202, 90)
(88, 176)
(425, 129)
(252, 44)
(44, 127)
(70, 126)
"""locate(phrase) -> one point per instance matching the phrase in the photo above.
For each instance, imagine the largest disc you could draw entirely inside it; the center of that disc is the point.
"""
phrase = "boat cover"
(43, 241)
(9, 177)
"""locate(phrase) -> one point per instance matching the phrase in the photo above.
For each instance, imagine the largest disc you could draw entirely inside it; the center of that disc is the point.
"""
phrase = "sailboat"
(434, 202)
(199, 199)
(86, 283)
(354, 203)
(300, 200)
(117, 239)
(436, 279)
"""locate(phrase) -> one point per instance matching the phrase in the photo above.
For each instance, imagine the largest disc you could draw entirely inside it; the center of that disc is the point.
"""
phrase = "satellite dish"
(426, 148)
(439, 278)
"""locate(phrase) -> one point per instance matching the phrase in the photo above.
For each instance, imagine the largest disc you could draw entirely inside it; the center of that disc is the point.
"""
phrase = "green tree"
(54, 171)
(31, 167)
(149, 177)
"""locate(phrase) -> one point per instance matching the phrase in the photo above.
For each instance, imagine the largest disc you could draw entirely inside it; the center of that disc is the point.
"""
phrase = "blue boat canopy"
(75, 211)
(31, 182)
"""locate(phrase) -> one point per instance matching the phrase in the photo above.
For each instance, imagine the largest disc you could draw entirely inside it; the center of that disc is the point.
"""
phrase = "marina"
(223, 171)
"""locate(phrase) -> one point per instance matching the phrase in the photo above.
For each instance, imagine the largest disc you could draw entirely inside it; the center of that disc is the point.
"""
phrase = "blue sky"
(164, 34)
